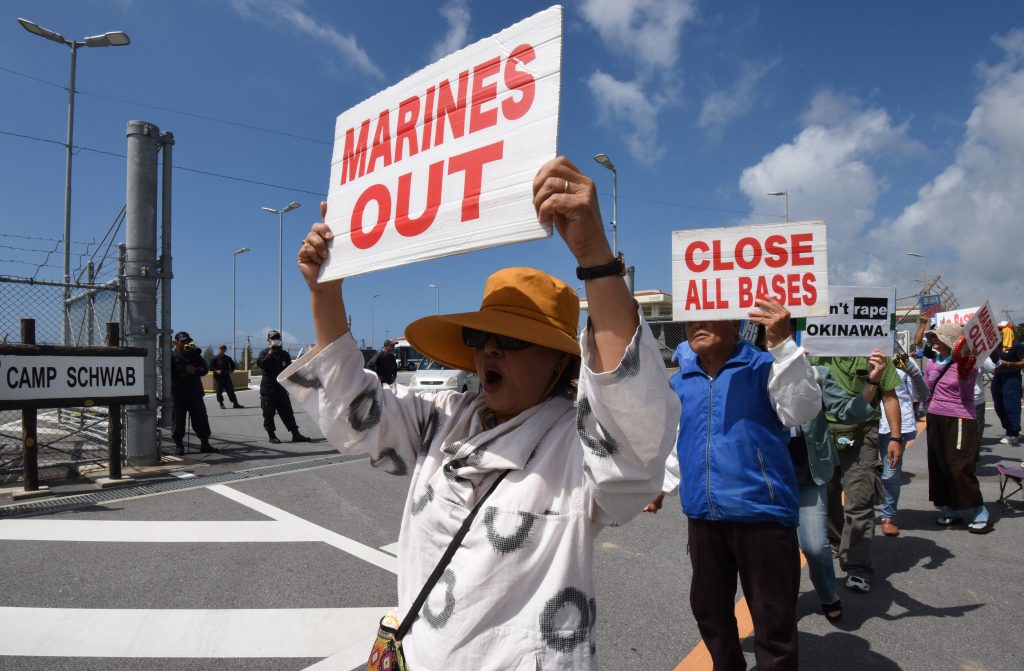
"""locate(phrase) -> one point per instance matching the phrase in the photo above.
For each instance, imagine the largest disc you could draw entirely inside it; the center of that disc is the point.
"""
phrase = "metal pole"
(786, 199)
(280, 275)
(29, 459)
(140, 279)
(615, 212)
(113, 416)
(372, 339)
(234, 274)
(166, 275)
(90, 305)
(67, 195)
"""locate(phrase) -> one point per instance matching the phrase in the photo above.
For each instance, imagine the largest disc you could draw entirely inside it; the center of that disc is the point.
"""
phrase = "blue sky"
(901, 123)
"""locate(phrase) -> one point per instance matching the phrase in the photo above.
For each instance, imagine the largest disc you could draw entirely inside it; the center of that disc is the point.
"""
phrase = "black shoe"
(274, 439)
(222, 407)
(208, 448)
(179, 450)
(299, 438)
(238, 405)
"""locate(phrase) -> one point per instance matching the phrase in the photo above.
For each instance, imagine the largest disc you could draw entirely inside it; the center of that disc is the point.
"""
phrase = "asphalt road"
(290, 570)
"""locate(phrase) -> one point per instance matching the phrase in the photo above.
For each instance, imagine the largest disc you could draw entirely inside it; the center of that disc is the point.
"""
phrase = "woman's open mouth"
(492, 380)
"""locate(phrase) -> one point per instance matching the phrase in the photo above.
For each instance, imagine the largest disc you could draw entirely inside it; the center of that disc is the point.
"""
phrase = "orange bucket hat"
(522, 303)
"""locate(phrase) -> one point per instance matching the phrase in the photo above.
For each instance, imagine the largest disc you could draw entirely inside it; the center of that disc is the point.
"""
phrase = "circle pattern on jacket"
(362, 419)
(602, 447)
(439, 620)
(505, 544)
(553, 633)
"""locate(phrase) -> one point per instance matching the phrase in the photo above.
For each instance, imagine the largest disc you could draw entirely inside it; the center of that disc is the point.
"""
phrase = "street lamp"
(784, 194)
(113, 39)
(607, 162)
(924, 266)
(372, 337)
(234, 273)
(437, 298)
(280, 260)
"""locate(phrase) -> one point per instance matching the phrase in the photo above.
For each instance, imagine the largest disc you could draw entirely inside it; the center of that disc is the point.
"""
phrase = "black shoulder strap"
(931, 391)
(446, 559)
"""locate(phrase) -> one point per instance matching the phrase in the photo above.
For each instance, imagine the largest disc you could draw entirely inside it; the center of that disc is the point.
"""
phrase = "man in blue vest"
(738, 486)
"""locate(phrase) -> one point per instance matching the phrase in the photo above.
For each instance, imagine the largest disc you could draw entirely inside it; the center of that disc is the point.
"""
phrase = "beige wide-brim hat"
(948, 333)
(523, 303)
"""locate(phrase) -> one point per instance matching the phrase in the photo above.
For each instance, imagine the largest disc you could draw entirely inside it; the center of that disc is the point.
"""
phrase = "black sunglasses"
(475, 339)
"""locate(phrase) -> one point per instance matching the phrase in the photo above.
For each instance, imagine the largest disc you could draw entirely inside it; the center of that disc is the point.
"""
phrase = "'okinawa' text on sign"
(982, 334)
(443, 162)
(860, 320)
(719, 273)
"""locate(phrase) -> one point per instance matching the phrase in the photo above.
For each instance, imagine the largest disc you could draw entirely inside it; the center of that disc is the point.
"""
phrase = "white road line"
(354, 548)
(391, 549)
(279, 632)
(120, 531)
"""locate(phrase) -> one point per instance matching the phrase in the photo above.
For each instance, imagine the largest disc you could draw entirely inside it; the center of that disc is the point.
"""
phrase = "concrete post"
(142, 447)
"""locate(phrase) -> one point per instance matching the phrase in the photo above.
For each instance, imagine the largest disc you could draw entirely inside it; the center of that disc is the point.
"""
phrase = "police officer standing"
(187, 371)
(385, 364)
(223, 366)
(273, 397)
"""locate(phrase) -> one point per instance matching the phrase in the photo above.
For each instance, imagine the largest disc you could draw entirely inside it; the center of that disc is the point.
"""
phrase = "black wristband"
(896, 438)
(616, 267)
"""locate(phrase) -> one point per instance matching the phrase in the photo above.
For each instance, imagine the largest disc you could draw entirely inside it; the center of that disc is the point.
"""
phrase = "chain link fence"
(67, 437)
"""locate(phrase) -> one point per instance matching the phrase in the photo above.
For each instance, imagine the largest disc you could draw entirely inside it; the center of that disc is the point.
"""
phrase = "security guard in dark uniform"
(187, 370)
(273, 397)
(223, 366)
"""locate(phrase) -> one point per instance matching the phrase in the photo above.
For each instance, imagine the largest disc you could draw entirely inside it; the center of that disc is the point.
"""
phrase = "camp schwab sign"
(719, 273)
(443, 162)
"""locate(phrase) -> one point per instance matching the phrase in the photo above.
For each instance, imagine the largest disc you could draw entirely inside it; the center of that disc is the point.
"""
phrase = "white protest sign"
(982, 334)
(33, 378)
(860, 320)
(717, 273)
(443, 162)
(958, 317)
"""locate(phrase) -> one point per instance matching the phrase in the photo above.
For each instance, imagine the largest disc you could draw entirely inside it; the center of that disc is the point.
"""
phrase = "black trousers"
(280, 403)
(190, 405)
(767, 558)
(223, 385)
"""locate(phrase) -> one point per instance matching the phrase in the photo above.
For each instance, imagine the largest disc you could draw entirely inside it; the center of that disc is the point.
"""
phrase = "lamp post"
(234, 274)
(785, 195)
(603, 159)
(113, 39)
(280, 260)
(924, 268)
(372, 338)
(437, 298)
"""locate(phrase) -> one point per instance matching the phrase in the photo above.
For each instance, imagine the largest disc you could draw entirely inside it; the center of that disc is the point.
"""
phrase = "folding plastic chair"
(1009, 476)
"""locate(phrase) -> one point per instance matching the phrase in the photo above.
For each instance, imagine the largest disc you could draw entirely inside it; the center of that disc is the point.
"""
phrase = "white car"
(431, 376)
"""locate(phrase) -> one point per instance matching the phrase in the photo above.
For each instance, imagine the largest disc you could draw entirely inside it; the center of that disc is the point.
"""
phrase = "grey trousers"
(851, 526)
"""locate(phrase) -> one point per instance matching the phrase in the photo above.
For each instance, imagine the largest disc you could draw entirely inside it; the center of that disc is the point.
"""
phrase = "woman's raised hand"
(314, 249)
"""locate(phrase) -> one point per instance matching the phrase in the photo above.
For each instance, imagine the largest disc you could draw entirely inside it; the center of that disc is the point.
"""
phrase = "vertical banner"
(860, 320)
(443, 162)
(982, 334)
(717, 273)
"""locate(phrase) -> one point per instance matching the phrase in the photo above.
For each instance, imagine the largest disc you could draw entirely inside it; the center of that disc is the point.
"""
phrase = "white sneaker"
(1005, 440)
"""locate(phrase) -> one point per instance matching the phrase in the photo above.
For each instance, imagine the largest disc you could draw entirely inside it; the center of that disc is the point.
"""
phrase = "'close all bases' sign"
(443, 162)
(718, 273)
(860, 320)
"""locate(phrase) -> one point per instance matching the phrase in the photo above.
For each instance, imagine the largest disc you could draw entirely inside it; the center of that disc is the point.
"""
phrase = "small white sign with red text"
(982, 334)
(958, 317)
(718, 273)
(443, 162)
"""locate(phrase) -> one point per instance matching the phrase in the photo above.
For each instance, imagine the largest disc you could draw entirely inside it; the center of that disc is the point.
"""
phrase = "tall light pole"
(280, 260)
(372, 337)
(784, 194)
(113, 39)
(924, 267)
(234, 274)
(607, 162)
(437, 298)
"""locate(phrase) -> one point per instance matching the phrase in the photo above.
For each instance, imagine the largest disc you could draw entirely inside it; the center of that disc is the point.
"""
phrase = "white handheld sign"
(982, 334)
(443, 162)
(717, 273)
(860, 320)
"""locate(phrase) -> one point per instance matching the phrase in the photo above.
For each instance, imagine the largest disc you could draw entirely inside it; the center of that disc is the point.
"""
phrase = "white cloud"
(967, 220)
(644, 30)
(724, 106)
(291, 12)
(646, 33)
(627, 104)
(828, 174)
(456, 13)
